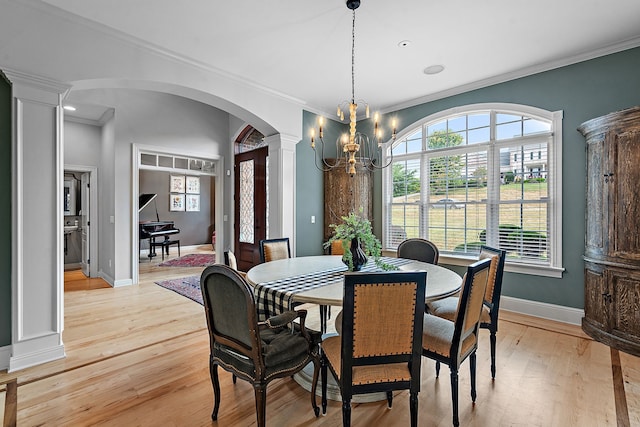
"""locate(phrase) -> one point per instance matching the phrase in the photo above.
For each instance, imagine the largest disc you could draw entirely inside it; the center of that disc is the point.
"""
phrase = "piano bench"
(164, 246)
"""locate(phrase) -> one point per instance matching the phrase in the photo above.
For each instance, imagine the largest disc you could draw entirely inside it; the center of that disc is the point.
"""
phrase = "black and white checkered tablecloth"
(276, 296)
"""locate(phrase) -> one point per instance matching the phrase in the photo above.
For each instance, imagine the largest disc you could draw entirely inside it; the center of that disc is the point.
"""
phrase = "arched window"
(480, 174)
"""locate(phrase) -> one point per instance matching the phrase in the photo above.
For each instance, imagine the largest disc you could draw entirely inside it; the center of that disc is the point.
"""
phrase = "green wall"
(582, 91)
(5, 212)
(310, 201)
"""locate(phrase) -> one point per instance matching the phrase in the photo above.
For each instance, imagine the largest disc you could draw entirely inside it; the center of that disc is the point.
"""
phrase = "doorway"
(80, 219)
(250, 205)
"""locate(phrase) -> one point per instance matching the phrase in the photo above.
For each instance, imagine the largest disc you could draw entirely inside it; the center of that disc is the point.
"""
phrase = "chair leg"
(213, 371)
(314, 385)
(389, 399)
(413, 406)
(323, 318)
(472, 372)
(492, 338)
(454, 396)
(346, 411)
(260, 391)
(323, 371)
(437, 369)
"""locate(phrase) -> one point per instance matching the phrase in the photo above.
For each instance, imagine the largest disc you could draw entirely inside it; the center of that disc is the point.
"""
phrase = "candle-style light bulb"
(366, 110)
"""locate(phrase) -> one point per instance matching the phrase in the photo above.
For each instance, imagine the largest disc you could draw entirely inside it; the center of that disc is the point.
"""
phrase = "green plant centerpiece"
(357, 238)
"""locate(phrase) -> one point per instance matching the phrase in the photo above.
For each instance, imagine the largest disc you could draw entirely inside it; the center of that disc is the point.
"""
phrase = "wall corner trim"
(5, 356)
(34, 358)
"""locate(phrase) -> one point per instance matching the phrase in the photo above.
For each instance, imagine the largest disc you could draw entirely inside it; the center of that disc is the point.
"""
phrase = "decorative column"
(36, 200)
(282, 187)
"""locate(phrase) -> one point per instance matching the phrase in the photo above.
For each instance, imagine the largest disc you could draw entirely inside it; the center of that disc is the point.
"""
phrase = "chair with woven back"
(231, 261)
(274, 249)
(257, 352)
(336, 248)
(453, 342)
(418, 250)
(446, 308)
(379, 347)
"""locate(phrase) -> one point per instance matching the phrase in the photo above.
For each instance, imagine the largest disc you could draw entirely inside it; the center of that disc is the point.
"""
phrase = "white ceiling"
(302, 48)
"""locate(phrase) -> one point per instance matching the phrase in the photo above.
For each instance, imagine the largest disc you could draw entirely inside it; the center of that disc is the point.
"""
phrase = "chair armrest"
(285, 318)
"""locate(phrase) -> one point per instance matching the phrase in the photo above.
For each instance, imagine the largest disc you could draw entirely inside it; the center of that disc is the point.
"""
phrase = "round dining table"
(441, 282)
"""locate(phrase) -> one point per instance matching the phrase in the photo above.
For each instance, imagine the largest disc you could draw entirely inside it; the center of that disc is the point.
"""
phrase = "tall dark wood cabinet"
(344, 193)
(612, 240)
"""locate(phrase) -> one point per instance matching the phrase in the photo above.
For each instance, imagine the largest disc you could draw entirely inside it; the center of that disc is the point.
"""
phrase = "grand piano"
(154, 229)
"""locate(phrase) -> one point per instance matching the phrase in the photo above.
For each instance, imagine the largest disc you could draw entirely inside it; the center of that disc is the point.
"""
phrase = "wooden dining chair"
(452, 342)
(257, 352)
(379, 348)
(231, 261)
(274, 249)
(418, 250)
(336, 248)
(446, 308)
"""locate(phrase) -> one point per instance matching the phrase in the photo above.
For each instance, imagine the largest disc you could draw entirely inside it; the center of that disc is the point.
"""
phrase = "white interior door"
(85, 203)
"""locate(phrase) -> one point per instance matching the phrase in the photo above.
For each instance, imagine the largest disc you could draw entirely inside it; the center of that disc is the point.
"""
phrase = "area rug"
(185, 286)
(191, 260)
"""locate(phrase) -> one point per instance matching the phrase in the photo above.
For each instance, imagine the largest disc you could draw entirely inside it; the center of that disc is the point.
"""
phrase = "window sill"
(534, 270)
(531, 269)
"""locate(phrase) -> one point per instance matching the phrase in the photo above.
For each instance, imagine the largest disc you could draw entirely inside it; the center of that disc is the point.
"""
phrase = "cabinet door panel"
(596, 304)
(625, 189)
(596, 200)
(626, 303)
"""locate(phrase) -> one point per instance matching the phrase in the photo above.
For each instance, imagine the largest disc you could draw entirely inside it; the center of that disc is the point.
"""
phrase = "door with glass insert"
(250, 206)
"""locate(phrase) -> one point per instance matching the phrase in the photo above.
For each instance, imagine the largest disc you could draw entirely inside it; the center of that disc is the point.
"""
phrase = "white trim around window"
(418, 198)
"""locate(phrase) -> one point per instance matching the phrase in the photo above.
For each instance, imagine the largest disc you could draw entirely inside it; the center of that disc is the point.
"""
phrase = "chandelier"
(354, 148)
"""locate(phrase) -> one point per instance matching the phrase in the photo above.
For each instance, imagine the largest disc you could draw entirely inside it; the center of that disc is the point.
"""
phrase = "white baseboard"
(5, 356)
(122, 282)
(114, 283)
(106, 277)
(36, 358)
(559, 313)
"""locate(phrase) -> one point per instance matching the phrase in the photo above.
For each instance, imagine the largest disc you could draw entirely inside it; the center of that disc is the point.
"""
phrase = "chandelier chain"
(353, 58)
(355, 148)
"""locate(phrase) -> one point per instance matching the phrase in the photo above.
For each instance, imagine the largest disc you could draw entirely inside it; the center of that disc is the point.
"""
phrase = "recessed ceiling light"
(69, 108)
(433, 69)
(404, 43)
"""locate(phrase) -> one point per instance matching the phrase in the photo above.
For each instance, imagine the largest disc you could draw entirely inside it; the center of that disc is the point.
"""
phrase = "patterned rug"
(185, 286)
(191, 260)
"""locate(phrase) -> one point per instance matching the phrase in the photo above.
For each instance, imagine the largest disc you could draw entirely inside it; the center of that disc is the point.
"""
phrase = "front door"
(250, 201)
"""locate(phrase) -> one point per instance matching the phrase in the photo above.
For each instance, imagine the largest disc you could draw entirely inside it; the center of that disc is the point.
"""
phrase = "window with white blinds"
(482, 174)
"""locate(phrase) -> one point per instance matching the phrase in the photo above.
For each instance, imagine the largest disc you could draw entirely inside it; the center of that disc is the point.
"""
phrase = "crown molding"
(15, 76)
(513, 75)
(155, 49)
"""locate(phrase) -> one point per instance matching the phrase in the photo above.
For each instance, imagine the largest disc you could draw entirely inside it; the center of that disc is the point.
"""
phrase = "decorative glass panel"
(181, 163)
(165, 161)
(247, 220)
(148, 159)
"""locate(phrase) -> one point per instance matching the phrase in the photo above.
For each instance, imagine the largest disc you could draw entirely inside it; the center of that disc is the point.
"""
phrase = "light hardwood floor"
(138, 356)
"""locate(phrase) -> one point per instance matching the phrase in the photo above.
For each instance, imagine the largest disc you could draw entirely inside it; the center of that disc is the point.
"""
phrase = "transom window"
(481, 174)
